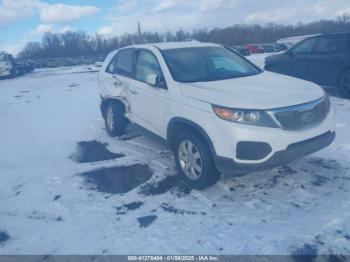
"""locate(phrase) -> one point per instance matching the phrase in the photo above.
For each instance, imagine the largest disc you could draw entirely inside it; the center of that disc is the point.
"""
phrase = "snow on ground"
(259, 59)
(68, 188)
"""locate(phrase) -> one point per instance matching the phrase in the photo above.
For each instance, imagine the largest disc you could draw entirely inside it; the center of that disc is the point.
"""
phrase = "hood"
(263, 91)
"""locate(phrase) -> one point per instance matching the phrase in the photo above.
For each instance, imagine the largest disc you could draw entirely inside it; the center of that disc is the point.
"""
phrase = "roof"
(175, 45)
(302, 37)
(337, 33)
(298, 37)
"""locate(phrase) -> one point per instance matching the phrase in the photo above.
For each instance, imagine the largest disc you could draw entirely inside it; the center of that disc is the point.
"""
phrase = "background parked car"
(323, 59)
(254, 49)
(29, 65)
(280, 47)
(7, 65)
(268, 48)
(242, 50)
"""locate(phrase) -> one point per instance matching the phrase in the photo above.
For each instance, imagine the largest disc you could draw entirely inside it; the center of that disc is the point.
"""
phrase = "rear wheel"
(115, 121)
(194, 160)
(344, 84)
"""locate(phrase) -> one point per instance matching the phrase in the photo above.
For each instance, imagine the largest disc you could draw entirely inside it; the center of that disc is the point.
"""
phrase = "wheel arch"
(178, 123)
(108, 100)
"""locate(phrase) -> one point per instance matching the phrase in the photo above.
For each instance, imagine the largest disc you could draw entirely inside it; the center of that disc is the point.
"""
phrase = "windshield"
(201, 64)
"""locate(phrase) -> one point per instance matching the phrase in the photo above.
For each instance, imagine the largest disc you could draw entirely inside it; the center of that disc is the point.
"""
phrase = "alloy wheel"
(190, 160)
(110, 118)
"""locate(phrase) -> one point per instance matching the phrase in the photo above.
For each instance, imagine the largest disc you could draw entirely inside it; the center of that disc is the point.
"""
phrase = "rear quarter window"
(122, 63)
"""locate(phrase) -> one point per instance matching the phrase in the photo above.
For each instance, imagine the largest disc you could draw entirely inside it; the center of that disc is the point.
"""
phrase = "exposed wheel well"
(106, 101)
(178, 125)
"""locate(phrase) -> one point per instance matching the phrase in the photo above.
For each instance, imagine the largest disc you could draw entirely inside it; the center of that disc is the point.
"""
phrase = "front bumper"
(226, 137)
(293, 152)
(5, 73)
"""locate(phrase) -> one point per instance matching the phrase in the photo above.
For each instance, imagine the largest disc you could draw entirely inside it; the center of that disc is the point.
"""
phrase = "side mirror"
(152, 80)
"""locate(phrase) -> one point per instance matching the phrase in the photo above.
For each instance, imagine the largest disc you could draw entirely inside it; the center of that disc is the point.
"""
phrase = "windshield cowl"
(218, 79)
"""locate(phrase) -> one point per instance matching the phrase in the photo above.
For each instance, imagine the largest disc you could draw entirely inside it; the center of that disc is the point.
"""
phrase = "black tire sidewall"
(120, 121)
(210, 175)
(12, 74)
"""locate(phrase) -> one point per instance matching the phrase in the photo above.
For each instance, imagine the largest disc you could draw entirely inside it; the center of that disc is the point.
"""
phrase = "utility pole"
(139, 31)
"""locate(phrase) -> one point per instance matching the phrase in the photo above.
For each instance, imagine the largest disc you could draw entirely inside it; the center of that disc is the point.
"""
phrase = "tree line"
(73, 44)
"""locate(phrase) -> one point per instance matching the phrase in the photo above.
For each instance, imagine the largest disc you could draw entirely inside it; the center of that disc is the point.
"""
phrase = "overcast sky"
(28, 20)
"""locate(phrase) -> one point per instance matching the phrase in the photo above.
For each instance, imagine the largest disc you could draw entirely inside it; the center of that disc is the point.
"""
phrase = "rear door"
(118, 74)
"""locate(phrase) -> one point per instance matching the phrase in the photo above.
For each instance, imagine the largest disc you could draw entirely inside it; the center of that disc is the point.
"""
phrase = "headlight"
(327, 103)
(244, 116)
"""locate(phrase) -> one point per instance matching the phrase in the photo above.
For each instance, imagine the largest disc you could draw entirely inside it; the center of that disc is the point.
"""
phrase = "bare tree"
(79, 43)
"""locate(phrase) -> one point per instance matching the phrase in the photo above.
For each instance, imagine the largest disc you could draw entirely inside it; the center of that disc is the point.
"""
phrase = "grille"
(303, 116)
(247, 150)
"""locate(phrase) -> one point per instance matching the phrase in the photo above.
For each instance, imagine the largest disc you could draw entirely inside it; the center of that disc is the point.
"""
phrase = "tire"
(13, 73)
(203, 177)
(344, 84)
(115, 121)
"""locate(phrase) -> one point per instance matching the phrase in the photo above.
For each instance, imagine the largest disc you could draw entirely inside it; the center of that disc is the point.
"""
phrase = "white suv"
(218, 112)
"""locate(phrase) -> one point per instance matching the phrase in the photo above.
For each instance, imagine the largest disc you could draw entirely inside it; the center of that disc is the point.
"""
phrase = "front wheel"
(344, 84)
(194, 161)
(12, 74)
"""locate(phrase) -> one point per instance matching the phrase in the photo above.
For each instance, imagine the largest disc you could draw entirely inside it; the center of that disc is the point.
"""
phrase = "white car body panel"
(262, 91)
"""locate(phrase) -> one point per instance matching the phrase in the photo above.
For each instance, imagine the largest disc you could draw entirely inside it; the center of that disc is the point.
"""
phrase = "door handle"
(117, 82)
(133, 91)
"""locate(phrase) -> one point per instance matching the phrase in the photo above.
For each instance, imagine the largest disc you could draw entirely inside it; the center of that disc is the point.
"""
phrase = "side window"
(331, 45)
(306, 47)
(122, 63)
(147, 64)
(112, 65)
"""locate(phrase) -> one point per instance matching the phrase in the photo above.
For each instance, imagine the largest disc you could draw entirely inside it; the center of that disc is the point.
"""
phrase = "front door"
(301, 61)
(146, 101)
